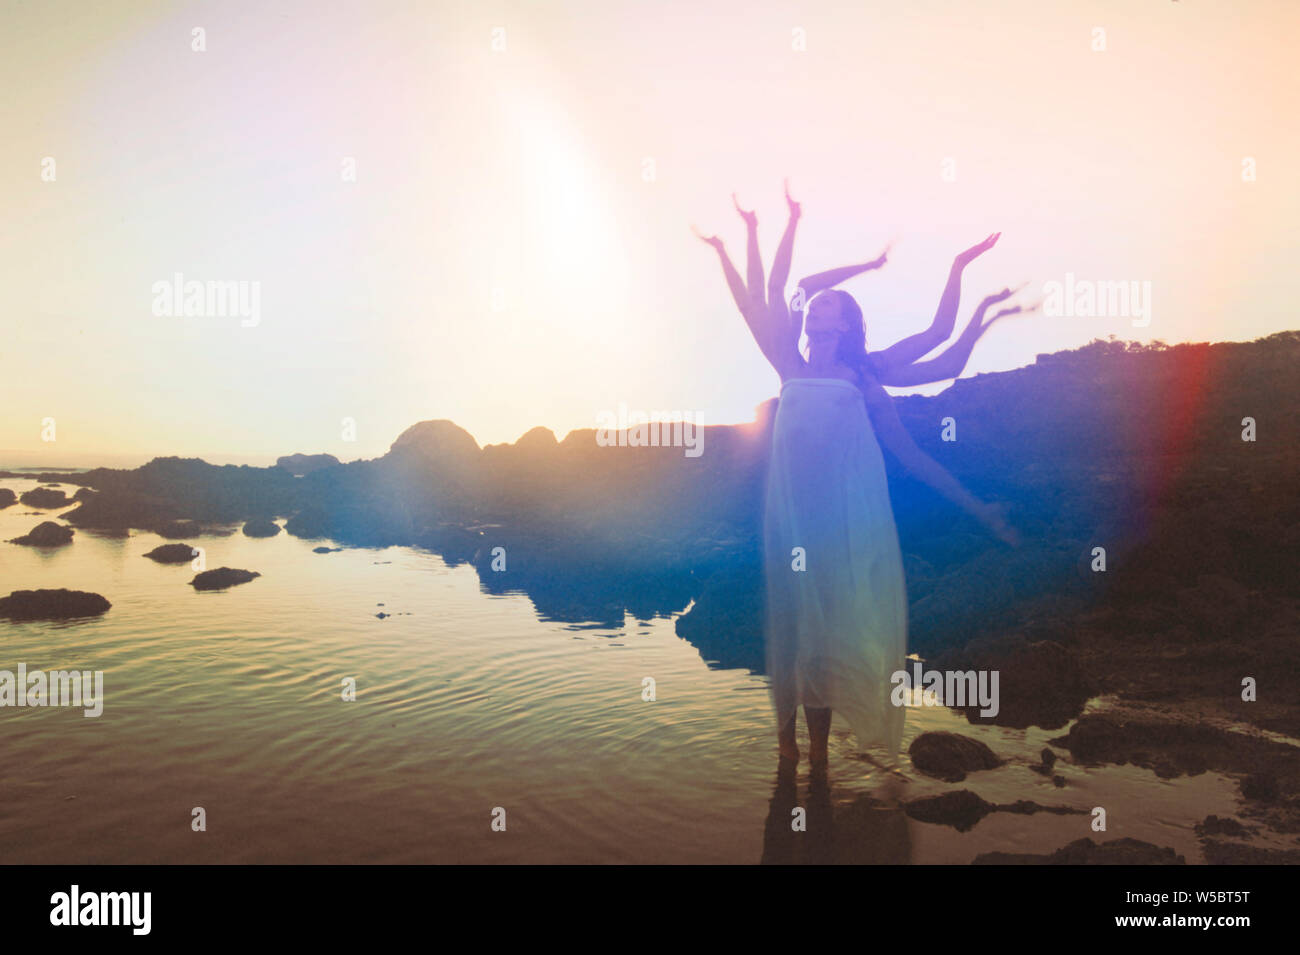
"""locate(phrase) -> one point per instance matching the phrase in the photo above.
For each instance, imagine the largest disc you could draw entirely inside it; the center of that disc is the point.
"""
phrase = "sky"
(481, 211)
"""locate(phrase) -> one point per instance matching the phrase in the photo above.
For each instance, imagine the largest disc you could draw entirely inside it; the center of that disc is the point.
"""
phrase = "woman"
(837, 605)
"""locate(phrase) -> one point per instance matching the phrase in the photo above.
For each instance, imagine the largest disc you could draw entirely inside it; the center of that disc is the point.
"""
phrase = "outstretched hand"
(975, 251)
(795, 209)
(712, 240)
(881, 259)
(1002, 296)
(993, 517)
(750, 217)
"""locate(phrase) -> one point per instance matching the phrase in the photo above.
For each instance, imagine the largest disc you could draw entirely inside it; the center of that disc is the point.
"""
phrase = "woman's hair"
(851, 349)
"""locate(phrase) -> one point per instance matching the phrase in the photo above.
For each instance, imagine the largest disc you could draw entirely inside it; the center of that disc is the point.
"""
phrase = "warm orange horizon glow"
(515, 248)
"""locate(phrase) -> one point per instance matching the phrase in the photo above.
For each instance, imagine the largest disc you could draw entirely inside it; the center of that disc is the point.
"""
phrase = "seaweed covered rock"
(261, 527)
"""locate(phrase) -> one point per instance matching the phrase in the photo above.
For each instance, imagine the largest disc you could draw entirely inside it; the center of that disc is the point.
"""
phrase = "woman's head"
(834, 326)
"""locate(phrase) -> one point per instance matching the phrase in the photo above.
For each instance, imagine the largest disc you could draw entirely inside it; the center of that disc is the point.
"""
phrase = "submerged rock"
(58, 604)
(326, 550)
(172, 553)
(261, 527)
(45, 497)
(963, 809)
(949, 756)
(222, 578)
(45, 534)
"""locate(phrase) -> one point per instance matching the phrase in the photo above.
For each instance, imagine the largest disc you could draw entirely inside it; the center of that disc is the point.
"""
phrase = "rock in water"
(950, 756)
(45, 497)
(222, 578)
(7, 497)
(172, 553)
(59, 604)
(45, 534)
(961, 809)
(261, 527)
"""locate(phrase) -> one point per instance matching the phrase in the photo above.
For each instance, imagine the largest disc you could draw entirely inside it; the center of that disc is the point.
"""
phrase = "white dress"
(837, 629)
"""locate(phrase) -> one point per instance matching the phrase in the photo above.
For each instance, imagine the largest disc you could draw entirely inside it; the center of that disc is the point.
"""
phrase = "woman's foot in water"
(819, 760)
(788, 750)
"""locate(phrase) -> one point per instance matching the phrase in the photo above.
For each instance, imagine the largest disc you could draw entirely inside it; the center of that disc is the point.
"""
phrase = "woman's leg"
(819, 731)
(786, 744)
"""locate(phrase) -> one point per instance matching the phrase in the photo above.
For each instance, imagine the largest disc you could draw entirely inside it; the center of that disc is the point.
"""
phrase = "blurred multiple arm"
(952, 362)
(889, 429)
(917, 346)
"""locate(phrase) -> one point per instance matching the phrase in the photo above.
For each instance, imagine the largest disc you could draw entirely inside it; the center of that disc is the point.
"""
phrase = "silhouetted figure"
(837, 604)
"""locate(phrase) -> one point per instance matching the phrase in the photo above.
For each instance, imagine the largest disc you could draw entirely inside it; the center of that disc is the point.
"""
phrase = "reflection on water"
(466, 701)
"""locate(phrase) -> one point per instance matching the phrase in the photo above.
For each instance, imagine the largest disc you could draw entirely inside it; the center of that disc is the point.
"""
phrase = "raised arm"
(780, 273)
(821, 281)
(889, 429)
(773, 335)
(753, 261)
(945, 317)
(734, 282)
(952, 362)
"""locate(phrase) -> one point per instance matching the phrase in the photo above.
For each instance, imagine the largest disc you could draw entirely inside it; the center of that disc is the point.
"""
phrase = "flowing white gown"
(837, 629)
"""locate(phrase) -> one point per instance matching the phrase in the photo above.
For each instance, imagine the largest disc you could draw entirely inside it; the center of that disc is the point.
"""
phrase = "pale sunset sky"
(515, 249)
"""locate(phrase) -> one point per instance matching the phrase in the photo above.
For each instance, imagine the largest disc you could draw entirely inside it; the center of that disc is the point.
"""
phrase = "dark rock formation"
(172, 553)
(963, 809)
(1039, 683)
(261, 527)
(326, 550)
(175, 530)
(1218, 852)
(1216, 826)
(45, 498)
(7, 497)
(949, 756)
(222, 578)
(45, 534)
(59, 604)
(726, 622)
(1170, 747)
(305, 463)
(1087, 852)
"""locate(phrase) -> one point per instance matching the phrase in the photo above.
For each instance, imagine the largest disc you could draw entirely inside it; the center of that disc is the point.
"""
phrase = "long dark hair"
(851, 349)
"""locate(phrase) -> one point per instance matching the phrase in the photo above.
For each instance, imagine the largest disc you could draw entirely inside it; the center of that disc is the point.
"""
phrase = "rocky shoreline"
(1200, 532)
